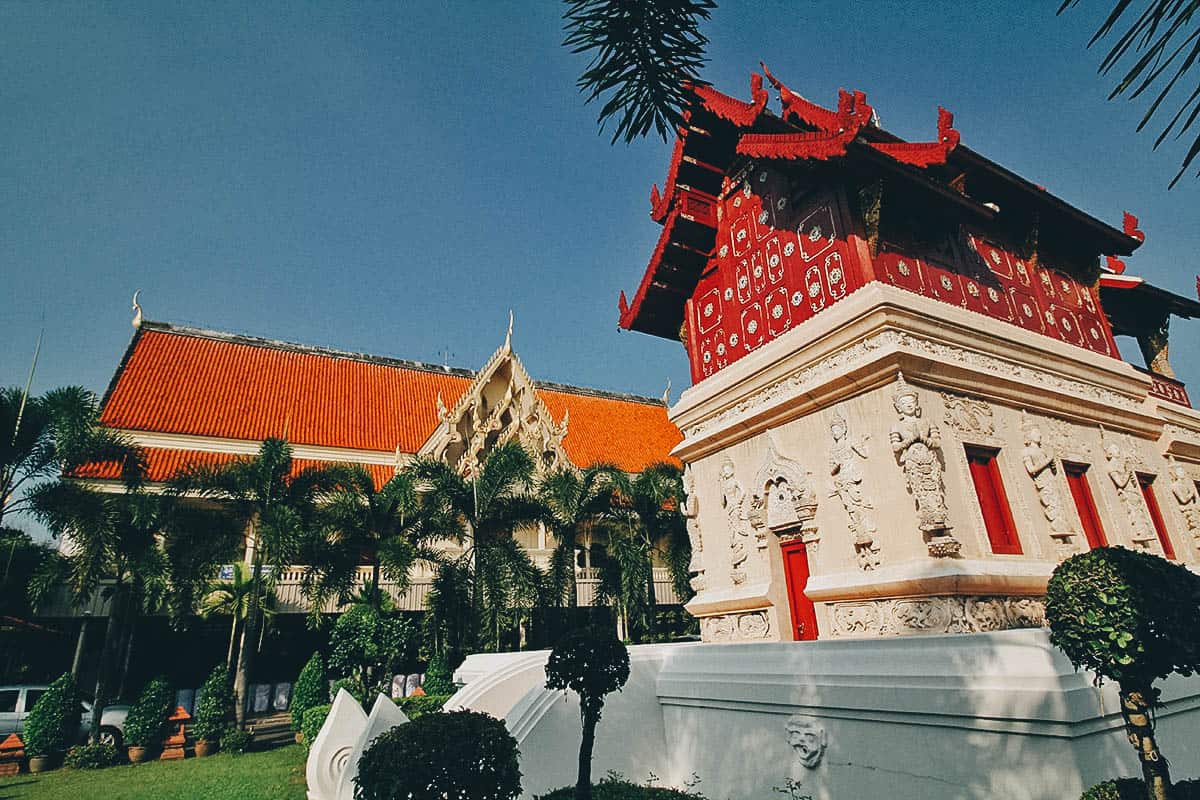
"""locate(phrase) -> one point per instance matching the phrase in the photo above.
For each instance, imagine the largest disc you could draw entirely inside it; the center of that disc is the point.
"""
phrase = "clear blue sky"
(393, 177)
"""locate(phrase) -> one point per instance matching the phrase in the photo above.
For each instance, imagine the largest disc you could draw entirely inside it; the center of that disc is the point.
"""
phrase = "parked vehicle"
(17, 701)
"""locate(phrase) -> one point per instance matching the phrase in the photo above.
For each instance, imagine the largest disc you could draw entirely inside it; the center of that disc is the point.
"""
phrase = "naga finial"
(508, 335)
(666, 395)
(137, 310)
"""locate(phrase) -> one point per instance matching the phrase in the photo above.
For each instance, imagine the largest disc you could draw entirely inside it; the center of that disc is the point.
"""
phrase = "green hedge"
(215, 710)
(314, 718)
(311, 690)
(616, 789)
(438, 677)
(93, 756)
(1135, 789)
(418, 706)
(147, 719)
(53, 723)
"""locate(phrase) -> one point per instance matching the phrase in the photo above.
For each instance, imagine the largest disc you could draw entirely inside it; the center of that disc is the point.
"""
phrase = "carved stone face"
(906, 404)
(838, 429)
(1112, 452)
(1033, 437)
(807, 739)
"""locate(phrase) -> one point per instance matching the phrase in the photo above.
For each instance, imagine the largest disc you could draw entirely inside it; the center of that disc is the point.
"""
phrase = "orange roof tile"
(203, 383)
(162, 464)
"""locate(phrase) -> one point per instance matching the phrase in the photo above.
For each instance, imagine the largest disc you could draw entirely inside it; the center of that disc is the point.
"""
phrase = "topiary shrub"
(147, 719)
(93, 756)
(592, 663)
(236, 741)
(214, 712)
(366, 646)
(1135, 789)
(417, 706)
(311, 689)
(439, 678)
(1133, 618)
(53, 723)
(616, 788)
(314, 718)
(466, 755)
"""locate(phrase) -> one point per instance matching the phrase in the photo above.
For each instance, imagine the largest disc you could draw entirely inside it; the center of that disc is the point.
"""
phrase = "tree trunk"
(1135, 710)
(583, 786)
(241, 682)
(131, 628)
(111, 631)
(233, 630)
(651, 604)
(80, 644)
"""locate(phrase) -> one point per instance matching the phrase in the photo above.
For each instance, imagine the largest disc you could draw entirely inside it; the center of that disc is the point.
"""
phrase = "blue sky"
(392, 177)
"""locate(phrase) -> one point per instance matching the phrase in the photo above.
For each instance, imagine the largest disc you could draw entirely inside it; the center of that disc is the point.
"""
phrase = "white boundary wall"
(994, 715)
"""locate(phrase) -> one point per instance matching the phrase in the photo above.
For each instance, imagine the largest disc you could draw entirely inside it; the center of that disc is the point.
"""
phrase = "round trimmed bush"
(93, 756)
(314, 718)
(147, 719)
(311, 689)
(465, 755)
(215, 709)
(53, 723)
(618, 789)
(235, 741)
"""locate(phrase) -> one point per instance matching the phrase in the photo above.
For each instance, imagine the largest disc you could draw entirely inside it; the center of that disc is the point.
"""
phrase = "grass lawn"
(272, 775)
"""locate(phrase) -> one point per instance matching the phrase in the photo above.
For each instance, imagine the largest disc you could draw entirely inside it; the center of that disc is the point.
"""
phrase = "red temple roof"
(203, 383)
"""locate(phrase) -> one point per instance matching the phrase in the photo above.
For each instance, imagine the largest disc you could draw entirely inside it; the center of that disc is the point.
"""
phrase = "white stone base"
(961, 716)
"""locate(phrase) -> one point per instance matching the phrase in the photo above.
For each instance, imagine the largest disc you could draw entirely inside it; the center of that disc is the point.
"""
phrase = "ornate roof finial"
(666, 395)
(137, 310)
(441, 408)
(508, 335)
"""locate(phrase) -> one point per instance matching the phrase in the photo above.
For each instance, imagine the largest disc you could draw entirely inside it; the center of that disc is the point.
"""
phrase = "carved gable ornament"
(784, 501)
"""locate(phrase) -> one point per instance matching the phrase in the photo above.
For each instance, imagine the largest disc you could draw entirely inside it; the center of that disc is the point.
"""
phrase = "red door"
(804, 613)
(1085, 505)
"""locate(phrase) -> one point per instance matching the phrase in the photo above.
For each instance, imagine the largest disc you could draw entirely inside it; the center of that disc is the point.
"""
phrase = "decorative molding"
(846, 479)
(1178, 432)
(747, 626)
(823, 370)
(968, 415)
(937, 614)
(916, 443)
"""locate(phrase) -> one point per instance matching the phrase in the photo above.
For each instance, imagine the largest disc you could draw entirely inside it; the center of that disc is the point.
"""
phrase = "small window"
(993, 502)
(31, 698)
(1156, 517)
(1081, 493)
(8, 700)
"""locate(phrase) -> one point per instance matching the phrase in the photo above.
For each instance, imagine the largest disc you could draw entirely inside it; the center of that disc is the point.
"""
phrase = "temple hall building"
(908, 403)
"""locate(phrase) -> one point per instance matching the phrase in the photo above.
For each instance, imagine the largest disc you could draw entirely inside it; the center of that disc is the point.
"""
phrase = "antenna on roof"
(137, 309)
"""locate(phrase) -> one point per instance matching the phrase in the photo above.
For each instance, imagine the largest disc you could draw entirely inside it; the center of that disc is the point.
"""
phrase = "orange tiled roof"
(163, 463)
(203, 383)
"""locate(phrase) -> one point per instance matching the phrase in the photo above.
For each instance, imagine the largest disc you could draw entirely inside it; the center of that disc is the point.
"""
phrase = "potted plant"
(214, 711)
(147, 719)
(52, 724)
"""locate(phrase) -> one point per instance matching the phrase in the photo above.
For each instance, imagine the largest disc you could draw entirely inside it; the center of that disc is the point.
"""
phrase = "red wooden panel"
(993, 502)
(1160, 526)
(1085, 504)
(804, 613)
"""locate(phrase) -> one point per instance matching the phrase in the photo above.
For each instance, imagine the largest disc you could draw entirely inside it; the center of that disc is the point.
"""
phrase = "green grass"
(272, 775)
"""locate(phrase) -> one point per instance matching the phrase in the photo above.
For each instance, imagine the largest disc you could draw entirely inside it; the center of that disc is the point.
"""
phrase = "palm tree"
(644, 54)
(360, 522)
(579, 501)
(42, 437)
(280, 512)
(645, 523)
(232, 598)
(480, 511)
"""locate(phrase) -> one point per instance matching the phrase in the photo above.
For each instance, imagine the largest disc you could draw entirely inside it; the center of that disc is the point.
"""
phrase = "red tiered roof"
(203, 383)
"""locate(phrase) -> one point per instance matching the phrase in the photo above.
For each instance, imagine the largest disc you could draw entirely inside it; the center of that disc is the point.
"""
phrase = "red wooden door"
(795, 570)
(1085, 505)
(1156, 517)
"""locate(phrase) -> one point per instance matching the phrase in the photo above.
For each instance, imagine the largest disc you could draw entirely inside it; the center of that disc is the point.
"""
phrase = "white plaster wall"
(963, 716)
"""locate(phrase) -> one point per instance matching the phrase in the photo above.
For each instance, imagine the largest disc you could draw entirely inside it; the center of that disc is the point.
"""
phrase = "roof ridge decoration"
(476, 424)
(731, 109)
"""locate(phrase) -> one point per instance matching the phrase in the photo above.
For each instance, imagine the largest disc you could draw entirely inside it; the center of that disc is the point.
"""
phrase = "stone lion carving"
(808, 739)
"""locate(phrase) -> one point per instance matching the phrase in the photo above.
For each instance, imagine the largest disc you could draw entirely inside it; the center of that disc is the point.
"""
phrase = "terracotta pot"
(44, 763)
(206, 748)
(139, 755)
(299, 737)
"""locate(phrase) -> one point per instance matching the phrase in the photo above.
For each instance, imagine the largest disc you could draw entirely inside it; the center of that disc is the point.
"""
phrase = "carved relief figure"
(690, 509)
(808, 740)
(1184, 490)
(1120, 471)
(1043, 469)
(847, 479)
(968, 414)
(916, 442)
(733, 500)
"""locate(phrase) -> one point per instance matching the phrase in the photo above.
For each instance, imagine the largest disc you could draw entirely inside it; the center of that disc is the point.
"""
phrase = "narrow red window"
(1160, 527)
(1085, 504)
(997, 517)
